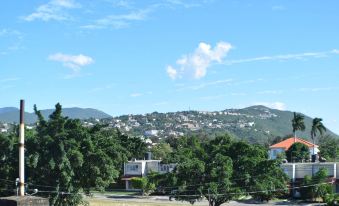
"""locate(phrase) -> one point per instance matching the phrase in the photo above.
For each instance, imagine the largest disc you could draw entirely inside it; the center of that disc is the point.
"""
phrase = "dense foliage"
(298, 152)
(223, 169)
(317, 128)
(316, 186)
(329, 148)
(298, 123)
(143, 184)
(63, 158)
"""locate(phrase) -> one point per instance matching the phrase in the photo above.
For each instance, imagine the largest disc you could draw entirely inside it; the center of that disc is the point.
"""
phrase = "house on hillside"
(287, 143)
(141, 168)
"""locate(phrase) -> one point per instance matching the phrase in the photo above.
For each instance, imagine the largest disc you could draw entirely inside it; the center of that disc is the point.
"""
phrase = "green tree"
(317, 127)
(331, 199)
(53, 151)
(323, 186)
(69, 158)
(161, 151)
(135, 146)
(190, 173)
(245, 159)
(270, 181)
(8, 163)
(143, 184)
(298, 123)
(222, 169)
(64, 158)
(307, 190)
(329, 147)
(219, 180)
(316, 186)
(298, 152)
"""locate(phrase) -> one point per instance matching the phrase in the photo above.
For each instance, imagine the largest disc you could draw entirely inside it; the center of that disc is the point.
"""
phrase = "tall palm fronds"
(298, 124)
(317, 127)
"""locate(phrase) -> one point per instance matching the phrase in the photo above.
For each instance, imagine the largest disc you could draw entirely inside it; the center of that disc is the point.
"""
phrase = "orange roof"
(287, 143)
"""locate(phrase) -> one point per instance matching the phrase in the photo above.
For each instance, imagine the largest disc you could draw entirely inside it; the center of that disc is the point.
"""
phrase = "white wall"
(316, 150)
(130, 166)
(152, 166)
(303, 169)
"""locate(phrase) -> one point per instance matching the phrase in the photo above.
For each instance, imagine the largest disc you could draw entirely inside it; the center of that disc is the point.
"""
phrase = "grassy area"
(115, 192)
(100, 202)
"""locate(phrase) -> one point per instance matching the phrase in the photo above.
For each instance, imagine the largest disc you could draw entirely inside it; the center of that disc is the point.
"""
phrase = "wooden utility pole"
(22, 150)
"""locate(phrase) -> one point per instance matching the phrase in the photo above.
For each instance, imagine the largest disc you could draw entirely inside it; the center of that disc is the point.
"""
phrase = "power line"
(254, 192)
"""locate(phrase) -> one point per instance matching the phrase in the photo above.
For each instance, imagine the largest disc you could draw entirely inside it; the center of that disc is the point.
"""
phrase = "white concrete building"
(141, 168)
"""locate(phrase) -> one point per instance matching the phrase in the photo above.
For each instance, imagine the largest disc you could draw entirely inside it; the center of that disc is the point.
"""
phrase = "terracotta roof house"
(287, 143)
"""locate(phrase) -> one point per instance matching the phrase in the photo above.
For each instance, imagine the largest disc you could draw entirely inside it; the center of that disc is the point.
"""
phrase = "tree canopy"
(329, 147)
(64, 158)
(298, 123)
(222, 169)
(317, 127)
(298, 152)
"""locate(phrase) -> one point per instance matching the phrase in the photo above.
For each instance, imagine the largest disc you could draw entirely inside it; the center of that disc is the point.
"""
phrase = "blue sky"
(133, 56)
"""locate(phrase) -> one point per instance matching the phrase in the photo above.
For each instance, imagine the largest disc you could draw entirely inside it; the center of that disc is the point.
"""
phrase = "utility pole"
(209, 197)
(22, 150)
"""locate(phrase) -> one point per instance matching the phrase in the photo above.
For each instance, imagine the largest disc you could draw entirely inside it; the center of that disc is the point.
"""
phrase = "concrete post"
(22, 150)
(293, 180)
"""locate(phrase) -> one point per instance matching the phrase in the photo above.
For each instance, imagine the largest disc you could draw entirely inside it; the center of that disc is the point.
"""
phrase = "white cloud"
(121, 3)
(136, 94)
(238, 94)
(196, 64)
(13, 41)
(161, 103)
(124, 20)
(70, 4)
(284, 57)
(53, 10)
(6, 87)
(215, 97)
(118, 21)
(205, 84)
(139, 94)
(273, 105)
(172, 73)
(318, 89)
(9, 32)
(270, 92)
(74, 62)
(183, 3)
(335, 51)
(10, 79)
(98, 89)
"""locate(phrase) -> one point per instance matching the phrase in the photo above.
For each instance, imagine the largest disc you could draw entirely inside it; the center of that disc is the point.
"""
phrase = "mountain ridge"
(257, 123)
(11, 114)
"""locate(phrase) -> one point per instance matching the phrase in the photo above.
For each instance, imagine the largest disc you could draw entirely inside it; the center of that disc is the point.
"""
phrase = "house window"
(132, 167)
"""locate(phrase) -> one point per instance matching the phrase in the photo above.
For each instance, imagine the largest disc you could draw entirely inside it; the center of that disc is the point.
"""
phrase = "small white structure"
(149, 133)
(287, 143)
(141, 168)
(3, 130)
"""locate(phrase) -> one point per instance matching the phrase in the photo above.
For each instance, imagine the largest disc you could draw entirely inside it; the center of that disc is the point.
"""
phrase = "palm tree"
(297, 124)
(317, 126)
